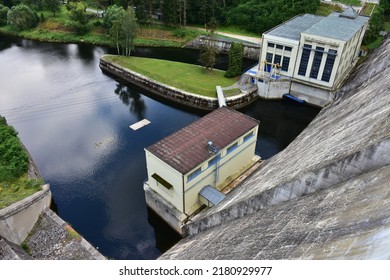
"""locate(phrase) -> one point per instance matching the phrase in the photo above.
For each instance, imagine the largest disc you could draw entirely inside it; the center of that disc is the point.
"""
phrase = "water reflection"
(130, 97)
(75, 122)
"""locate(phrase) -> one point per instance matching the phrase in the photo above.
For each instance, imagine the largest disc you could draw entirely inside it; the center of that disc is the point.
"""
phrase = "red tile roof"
(187, 148)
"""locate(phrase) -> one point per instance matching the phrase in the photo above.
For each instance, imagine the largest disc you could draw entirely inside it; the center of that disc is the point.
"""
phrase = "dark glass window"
(271, 45)
(214, 160)
(315, 67)
(232, 148)
(269, 57)
(288, 49)
(249, 136)
(304, 60)
(194, 174)
(285, 64)
(329, 65)
(278, 59)
(280, 47)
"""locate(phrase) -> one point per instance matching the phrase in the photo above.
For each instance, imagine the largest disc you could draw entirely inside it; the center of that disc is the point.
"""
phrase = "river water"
(75, 120)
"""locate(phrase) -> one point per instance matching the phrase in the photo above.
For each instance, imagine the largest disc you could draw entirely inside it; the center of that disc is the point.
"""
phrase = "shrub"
(3, 14)
(13, 158)
(22, 17)
(236, 54)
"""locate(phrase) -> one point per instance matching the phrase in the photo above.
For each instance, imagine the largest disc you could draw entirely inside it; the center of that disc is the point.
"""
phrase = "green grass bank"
(187, 77)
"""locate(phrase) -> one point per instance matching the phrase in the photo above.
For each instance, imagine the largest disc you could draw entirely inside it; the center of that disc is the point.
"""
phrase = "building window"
(269, 57)
(214, 160)
(194, 174)
(304, 60)
(271, 45)
(286, 63)
(232, 148)
(288, 49)
(329, 65)
(161, 181)
(277, 59)
(280, 47)
(315, 67)
(248, 136)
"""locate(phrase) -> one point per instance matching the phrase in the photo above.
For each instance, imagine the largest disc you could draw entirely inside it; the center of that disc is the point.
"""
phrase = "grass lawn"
(188, 77)
(367, 9)
(349, 2)
(387, 26)
(17, 190)
(326, 9)
(375, 44)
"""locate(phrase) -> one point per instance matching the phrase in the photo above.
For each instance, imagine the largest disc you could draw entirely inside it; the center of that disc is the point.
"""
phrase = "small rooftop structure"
(211, 196)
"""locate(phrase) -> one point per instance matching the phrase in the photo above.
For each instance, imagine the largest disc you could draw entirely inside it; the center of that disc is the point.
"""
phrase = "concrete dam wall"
(326, 196)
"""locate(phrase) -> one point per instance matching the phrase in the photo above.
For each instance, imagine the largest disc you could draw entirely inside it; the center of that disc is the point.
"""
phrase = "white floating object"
(139, 124)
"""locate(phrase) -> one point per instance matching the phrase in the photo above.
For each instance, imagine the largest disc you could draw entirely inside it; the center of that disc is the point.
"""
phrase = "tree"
(78, 17)
(130, 29)
(209, 51)
(22, 17)
(53, 6)
(112, 14)
(3, 14)
(236, 53)
(124, 30)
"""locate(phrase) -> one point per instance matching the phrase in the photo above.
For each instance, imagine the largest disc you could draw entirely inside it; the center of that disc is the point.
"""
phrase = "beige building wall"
(174, 195)
(327, 44)
(347, 53)
(292, 55)
(229, 166)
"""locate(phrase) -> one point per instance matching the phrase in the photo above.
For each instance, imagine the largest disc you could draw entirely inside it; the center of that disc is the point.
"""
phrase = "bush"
(3, 14)
(22, 17)
(13, 158)
(79, 19)
(236, 53)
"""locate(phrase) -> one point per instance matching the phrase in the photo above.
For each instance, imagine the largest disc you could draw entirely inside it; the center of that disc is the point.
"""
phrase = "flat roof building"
(310, 55)
(188, 169)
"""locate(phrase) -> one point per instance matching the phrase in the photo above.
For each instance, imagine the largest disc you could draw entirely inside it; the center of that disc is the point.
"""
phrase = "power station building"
(188, 169)
(309, 56)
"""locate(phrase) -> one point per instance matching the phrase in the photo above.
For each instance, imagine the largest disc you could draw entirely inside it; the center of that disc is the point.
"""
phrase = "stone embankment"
(251, 50)
(326, 196)
(174, 94)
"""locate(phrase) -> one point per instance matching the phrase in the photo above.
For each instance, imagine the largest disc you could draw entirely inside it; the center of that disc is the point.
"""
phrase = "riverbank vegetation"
(188, 77)
(161, 23)
(14, 161)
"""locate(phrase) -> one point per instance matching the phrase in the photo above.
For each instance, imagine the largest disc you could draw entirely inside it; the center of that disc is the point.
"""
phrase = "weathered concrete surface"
(18, 219)
(349, 221)
(50, 239)
(349, 138)
(11, 251)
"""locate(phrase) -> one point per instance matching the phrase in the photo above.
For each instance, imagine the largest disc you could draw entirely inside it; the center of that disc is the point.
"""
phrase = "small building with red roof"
(188, 169)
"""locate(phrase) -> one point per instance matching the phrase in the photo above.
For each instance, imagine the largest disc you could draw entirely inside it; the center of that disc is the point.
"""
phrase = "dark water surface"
(75, 121)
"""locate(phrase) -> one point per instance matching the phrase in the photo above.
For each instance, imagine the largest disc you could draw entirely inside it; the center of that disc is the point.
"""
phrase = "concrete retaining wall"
(18, 219)
(173, 94)
(251, 51)
(368, 159)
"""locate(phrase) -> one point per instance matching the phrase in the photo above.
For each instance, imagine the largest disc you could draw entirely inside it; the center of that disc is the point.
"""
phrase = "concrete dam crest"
(326, 196)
